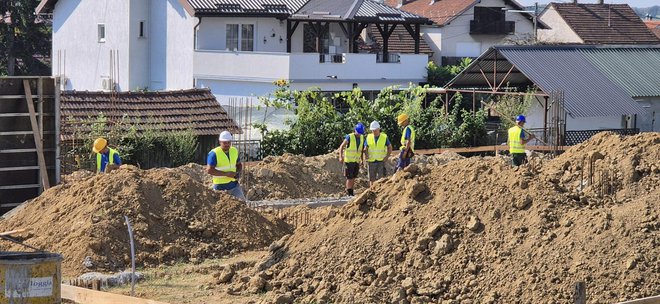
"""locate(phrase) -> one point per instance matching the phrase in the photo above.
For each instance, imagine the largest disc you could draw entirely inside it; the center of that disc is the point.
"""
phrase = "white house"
(594, 23)
(467, 28)
(234, 47)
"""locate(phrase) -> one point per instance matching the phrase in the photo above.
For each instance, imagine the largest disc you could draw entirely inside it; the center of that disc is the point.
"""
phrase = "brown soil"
(175, 218)
(478, 231)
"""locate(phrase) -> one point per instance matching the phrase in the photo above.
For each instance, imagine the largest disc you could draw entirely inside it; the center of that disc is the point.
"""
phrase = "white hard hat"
(225, 136)
(374, 125)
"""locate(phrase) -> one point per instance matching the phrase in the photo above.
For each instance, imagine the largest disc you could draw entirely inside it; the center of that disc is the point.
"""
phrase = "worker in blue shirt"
(223, 165)
(107, 159)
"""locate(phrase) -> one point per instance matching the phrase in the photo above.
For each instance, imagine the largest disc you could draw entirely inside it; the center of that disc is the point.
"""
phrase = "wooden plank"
(23, 132)
(14, 187)
(649, 300)
(36, 135)
(87, 296)
(14, 232)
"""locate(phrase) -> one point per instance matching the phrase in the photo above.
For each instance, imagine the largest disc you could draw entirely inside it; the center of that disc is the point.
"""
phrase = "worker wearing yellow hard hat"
(407, 141)
(107, 159)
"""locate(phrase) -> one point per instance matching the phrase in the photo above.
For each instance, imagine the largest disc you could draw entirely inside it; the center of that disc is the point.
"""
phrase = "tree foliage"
(25, 39)
(438, 76)
(319, 127)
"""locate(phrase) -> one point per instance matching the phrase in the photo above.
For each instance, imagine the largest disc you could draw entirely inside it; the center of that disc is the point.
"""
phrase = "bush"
(319, 128)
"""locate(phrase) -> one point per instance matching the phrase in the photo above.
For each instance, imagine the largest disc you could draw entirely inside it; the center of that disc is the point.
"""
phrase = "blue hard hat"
(520, 118)
(359, 128)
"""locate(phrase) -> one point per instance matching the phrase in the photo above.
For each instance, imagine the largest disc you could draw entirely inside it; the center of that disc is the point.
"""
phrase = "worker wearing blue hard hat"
(517, 141)
(350, 154)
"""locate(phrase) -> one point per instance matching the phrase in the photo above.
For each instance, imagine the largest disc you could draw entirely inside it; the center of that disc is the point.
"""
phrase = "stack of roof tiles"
(194, 109)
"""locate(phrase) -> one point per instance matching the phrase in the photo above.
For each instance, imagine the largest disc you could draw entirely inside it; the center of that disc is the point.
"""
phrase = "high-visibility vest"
(353, 153)
(225, 164)
(515, 141)
(412, 138)
(377, 150)
(111, 159)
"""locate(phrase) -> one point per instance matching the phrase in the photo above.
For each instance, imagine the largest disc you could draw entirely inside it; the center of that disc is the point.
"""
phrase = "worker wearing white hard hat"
(223, 164)
(377, 149)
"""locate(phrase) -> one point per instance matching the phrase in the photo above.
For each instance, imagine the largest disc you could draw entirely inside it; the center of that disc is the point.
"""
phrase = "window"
(101, 32)
(490, 20)
(245, 36)
(141, 31)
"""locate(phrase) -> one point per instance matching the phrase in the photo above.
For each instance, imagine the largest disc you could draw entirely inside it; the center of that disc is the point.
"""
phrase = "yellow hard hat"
(402, 118)
(99, 144)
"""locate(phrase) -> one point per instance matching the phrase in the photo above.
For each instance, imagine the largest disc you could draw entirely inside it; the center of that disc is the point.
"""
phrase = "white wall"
(454, 39)
(138, 47)
(75, 32)
(536, 114)
(180, 48)
(559, 31)
(211, 34)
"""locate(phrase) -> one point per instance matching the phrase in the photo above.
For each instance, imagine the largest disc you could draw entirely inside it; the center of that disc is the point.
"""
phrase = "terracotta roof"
(440, 12)
(654, 26)
(605, 23)
(400, 41)
(165, 111)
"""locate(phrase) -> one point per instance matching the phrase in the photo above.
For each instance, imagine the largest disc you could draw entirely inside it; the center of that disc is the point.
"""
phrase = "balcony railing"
(391, 58)
(332, 58)
(489, 28)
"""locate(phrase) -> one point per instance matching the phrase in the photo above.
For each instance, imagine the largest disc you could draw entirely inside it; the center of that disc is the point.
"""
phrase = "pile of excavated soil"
(295, 176)
(478, 231)
(174, 217)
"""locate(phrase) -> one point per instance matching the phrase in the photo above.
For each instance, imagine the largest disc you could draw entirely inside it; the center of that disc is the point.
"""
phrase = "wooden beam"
(504, 79)
(87, 296)
(36, 134)
(17, 231)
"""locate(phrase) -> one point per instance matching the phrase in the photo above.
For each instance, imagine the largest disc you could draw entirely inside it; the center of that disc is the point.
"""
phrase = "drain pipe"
(195, 43)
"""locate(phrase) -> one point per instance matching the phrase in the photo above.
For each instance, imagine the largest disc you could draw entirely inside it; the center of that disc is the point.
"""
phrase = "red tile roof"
(195, 109)
(654, 26)
(400, 41)
(440, 12)
(605, 23)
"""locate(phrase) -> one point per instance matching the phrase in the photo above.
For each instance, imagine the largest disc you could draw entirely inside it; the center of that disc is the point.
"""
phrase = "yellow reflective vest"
(111, 159)
(515, 141)
(225, 164)
(353, 153)
(377, 150)
(412, 138)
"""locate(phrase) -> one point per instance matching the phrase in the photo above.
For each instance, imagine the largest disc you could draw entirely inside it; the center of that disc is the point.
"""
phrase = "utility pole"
(536, 15)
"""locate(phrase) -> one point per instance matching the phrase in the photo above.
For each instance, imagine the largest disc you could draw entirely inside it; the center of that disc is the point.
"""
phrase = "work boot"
(349, 192)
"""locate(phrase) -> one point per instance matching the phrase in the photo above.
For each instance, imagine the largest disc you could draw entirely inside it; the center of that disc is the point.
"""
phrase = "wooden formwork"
(29, 138)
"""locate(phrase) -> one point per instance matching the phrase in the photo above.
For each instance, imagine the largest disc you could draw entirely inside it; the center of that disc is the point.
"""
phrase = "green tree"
(25, 39)
(438, 76)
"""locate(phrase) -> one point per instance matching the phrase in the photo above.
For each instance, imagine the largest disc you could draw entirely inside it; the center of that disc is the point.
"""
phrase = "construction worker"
(107, 159)
(223, 164)
(407, 141)
(350, 153)
(377, 148)
(517, 141)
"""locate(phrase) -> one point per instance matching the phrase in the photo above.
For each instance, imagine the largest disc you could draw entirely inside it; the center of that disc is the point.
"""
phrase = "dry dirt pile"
(175, 218)
(295, 176)
(478, 231)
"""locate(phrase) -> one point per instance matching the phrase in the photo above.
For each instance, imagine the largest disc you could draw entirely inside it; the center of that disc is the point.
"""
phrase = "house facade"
(467, 28)
(235, 48)
(591, 23)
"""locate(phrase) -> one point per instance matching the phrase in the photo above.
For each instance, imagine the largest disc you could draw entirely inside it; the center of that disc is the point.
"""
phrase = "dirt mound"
(175, 218)
(477, 231)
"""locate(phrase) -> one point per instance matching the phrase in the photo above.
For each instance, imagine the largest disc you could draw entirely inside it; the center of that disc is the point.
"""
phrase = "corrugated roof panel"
(587, 91)
(636, 70)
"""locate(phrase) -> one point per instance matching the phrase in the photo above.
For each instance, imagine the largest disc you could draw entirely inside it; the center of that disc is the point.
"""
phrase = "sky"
(633, 3)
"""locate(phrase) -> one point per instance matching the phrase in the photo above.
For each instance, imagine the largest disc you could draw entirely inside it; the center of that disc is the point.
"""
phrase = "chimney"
(601, 2)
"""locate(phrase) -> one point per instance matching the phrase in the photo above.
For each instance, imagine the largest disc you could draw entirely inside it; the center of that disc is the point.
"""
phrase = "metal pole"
(536, 14)
(130, 236)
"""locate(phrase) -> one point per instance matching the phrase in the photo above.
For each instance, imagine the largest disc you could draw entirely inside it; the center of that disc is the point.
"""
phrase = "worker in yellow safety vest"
(223, 164)
(517, 141)
(350, 154)
(407, 150)
(377, 148)
(107, 159)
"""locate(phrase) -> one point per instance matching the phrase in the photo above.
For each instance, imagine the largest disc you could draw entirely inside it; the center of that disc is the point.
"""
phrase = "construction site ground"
(448, 229)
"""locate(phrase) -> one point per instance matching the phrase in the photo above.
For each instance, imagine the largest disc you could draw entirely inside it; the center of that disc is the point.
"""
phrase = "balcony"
(307, 67)
(492, 28)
